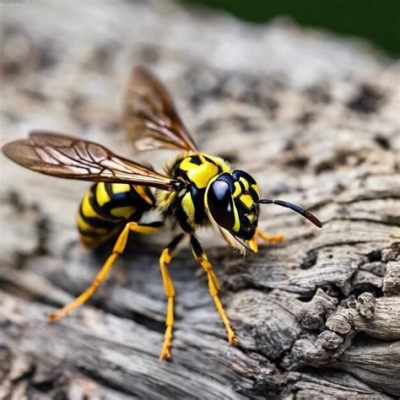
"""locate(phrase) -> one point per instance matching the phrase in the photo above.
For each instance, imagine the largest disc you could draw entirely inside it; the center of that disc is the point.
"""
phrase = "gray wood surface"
(315, 118)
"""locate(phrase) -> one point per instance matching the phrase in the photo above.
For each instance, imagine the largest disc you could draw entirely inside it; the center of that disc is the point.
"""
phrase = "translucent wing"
(149, 115)
(72, 158)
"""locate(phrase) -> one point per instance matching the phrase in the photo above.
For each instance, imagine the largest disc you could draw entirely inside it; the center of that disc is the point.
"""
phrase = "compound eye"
(219, 199)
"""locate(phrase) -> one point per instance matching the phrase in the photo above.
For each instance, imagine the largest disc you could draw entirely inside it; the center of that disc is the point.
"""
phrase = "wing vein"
(68, 157)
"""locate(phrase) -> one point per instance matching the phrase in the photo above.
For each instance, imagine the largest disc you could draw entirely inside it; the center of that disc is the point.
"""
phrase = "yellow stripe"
(247, 200)
(141, 190)
(186, 164)
(238, 189)
(245, 183)
(201, 174)
(120, 188)
(123, 212)
(91, 242)
(188, 206)
(102, 196)
(87, 209)
(85, 227)
(251, 217)
(236, 226)
(164, 199)
(255, 187)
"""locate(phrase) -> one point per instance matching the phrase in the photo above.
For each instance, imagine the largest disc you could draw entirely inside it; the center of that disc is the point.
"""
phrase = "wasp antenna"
(296, 208)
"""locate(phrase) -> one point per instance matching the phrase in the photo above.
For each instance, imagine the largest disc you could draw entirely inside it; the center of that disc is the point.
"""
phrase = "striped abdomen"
(106, 207)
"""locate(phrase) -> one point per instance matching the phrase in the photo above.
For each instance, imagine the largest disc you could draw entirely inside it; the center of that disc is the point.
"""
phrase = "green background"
(378, 21)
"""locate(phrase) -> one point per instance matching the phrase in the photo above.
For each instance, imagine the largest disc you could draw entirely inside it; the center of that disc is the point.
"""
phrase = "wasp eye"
(219, 199)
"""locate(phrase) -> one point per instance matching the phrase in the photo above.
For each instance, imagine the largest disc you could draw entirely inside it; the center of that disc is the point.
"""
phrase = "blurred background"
(372, 19)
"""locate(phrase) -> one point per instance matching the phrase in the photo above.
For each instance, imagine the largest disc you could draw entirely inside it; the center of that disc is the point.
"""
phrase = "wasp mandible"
(196, 189)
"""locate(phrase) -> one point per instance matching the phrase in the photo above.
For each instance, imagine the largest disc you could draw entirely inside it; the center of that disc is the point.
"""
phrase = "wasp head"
(232, 202)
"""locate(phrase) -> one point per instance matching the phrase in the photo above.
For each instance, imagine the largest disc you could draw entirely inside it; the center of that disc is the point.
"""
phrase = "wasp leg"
(253, 244)
(213, 286)
(169, 290)
(273, 239)
(118, 249)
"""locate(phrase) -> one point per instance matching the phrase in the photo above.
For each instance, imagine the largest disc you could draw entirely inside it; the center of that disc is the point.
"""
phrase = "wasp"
(196, 189)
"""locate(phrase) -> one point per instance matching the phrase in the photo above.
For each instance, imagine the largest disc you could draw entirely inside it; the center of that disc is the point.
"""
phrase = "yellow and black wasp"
(197, 189)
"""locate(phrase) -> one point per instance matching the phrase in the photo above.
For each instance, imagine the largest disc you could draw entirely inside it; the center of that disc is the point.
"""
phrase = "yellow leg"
(118, 249)
(214, 287)
(253, 244)
(169, 290)
(273, 239)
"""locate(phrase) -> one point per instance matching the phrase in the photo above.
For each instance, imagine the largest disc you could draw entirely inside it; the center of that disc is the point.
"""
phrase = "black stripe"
(136, 216)
(253, 194)
(180, 172)
(97, 222)
(115, 200)
(99, 210)
(155, 224)
(199, 212)
(176, 170)
(91, 234)
(195, 160)
(175, 241)
(142, 200)
(195, 244)
(108, 187)
(119, 201)
(237, 174)
(139, 201)
(124, 199)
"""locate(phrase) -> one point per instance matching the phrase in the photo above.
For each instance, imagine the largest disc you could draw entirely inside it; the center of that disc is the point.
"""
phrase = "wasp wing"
(69, 157)
(149, 115)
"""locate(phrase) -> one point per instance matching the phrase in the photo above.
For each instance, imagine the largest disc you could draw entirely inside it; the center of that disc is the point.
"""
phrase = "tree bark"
(314, 118)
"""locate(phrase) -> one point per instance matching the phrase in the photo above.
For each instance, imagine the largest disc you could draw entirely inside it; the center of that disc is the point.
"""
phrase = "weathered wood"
(314, 118)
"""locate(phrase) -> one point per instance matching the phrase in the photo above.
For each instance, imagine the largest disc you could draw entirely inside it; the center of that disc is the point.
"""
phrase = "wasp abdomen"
(106, 207)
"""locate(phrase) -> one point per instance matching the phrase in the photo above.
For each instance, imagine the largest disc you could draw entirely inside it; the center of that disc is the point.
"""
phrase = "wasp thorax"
(232, 201)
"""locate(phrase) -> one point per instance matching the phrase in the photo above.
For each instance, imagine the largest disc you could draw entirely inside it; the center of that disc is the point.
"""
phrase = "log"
(313, 117)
